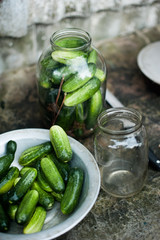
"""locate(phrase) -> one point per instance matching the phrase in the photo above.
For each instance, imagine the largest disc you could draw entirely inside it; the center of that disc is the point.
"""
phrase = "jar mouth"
(71, 32)
(119, 121)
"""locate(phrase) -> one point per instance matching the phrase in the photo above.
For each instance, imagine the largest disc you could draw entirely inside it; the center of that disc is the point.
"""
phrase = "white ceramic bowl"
(56, 223)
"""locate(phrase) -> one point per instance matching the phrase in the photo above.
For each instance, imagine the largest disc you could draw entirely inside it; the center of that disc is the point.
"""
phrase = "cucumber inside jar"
(69, 76)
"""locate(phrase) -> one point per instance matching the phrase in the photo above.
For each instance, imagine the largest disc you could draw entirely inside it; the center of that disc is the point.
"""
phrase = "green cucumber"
(100, 74)
(79, 113)
(46, 200)
(30, 155)
(12, 209)
(61, 73)
(7, 182)
(22, 186)
(24, 170)
(36, 222)
(95, 106)
(84, 93)
(11, 147)
(52, 175)
(4, 221)
(72, 191)
(62, 167)
(66, 57)
(70, 42)
(92, 58)
(41, 178)
(57, 196)
(79, 79)
(27, 207)
(60, 143)
(66, 117)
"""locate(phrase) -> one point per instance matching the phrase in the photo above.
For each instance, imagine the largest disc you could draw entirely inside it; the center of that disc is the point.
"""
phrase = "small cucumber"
(30, 156)
(100, 74)
(70, 42)
(46, 200)
(36, 222)
(5, 162)
(79, 113)
(79, 79)
(4, 221)
(66, 117)
(41, 178)
(11, 147)
(84, 93)
(63, 168)
(22, 185)
(61, 73)
(95, 106)
(61, 144)
(92, 58)
(72, 191)
(12, 209)
(52, 175)
(66, 57)
(7, 182)
(27, 207)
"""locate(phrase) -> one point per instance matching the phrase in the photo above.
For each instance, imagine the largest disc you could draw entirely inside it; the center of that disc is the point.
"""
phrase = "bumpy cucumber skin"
(4, 221)
(52, 175)
(84, 93)
(11, 147)
(22, 186)
(66, 57)
(5, 163)
(7, 182)
(46, 200)
(41, 178)
(36, 222)
(72, 191)
(30, 155)
(60, 143)
(27, 207)
(95, 106)
(79, 79)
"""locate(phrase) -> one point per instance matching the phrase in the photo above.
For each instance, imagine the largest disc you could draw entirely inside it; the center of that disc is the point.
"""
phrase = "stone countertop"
(134, 218)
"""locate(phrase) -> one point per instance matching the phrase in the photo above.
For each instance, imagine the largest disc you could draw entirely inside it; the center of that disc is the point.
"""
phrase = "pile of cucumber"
(76, 76)
(46, 176)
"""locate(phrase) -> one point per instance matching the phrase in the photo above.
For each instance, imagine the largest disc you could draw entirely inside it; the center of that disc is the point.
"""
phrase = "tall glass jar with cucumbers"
(71, 82)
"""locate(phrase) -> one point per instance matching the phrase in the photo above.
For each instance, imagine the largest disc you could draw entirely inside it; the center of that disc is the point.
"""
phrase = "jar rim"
(119, 111)
(71, 32)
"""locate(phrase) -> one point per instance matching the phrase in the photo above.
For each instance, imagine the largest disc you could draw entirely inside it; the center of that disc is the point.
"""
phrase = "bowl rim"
(93, 190)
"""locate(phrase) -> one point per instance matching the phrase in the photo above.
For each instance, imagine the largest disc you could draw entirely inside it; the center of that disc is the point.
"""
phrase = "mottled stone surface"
(134, 218)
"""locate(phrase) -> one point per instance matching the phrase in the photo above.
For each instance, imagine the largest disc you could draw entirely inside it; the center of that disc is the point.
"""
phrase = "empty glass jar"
(121, 151)
(71, 82)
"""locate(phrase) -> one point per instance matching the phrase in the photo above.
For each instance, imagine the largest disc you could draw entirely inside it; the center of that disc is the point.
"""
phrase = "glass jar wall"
(71, 82)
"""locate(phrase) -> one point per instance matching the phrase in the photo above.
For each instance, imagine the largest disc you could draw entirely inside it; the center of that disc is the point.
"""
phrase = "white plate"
(56, 223)
(149, 61)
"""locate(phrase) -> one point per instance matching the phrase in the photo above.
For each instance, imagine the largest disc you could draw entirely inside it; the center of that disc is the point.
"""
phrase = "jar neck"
(119, 121)
(82, 38)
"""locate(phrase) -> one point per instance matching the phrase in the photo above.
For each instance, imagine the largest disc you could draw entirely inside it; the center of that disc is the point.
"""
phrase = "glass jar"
(121, 150)
(71, 82)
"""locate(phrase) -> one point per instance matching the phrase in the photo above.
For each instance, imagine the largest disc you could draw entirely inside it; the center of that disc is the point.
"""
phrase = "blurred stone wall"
(26, 25)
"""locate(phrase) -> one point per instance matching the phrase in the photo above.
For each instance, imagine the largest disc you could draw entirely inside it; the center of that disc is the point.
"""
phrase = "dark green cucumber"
(60, 143)
(92, 58)
(95, 106)
(11, 147)
(27, 207)
(5, 162)
(72, 191)
(41, 178)
(66, 57)
(22, 185)
(36, 222)
(63, 168)
(84, 93)
(30, 156)
(46, 200)
(79, 79)
(52, 175)
(79, 113)
(12, 209)
(4, 221)
(64, 73)
(7, 182)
